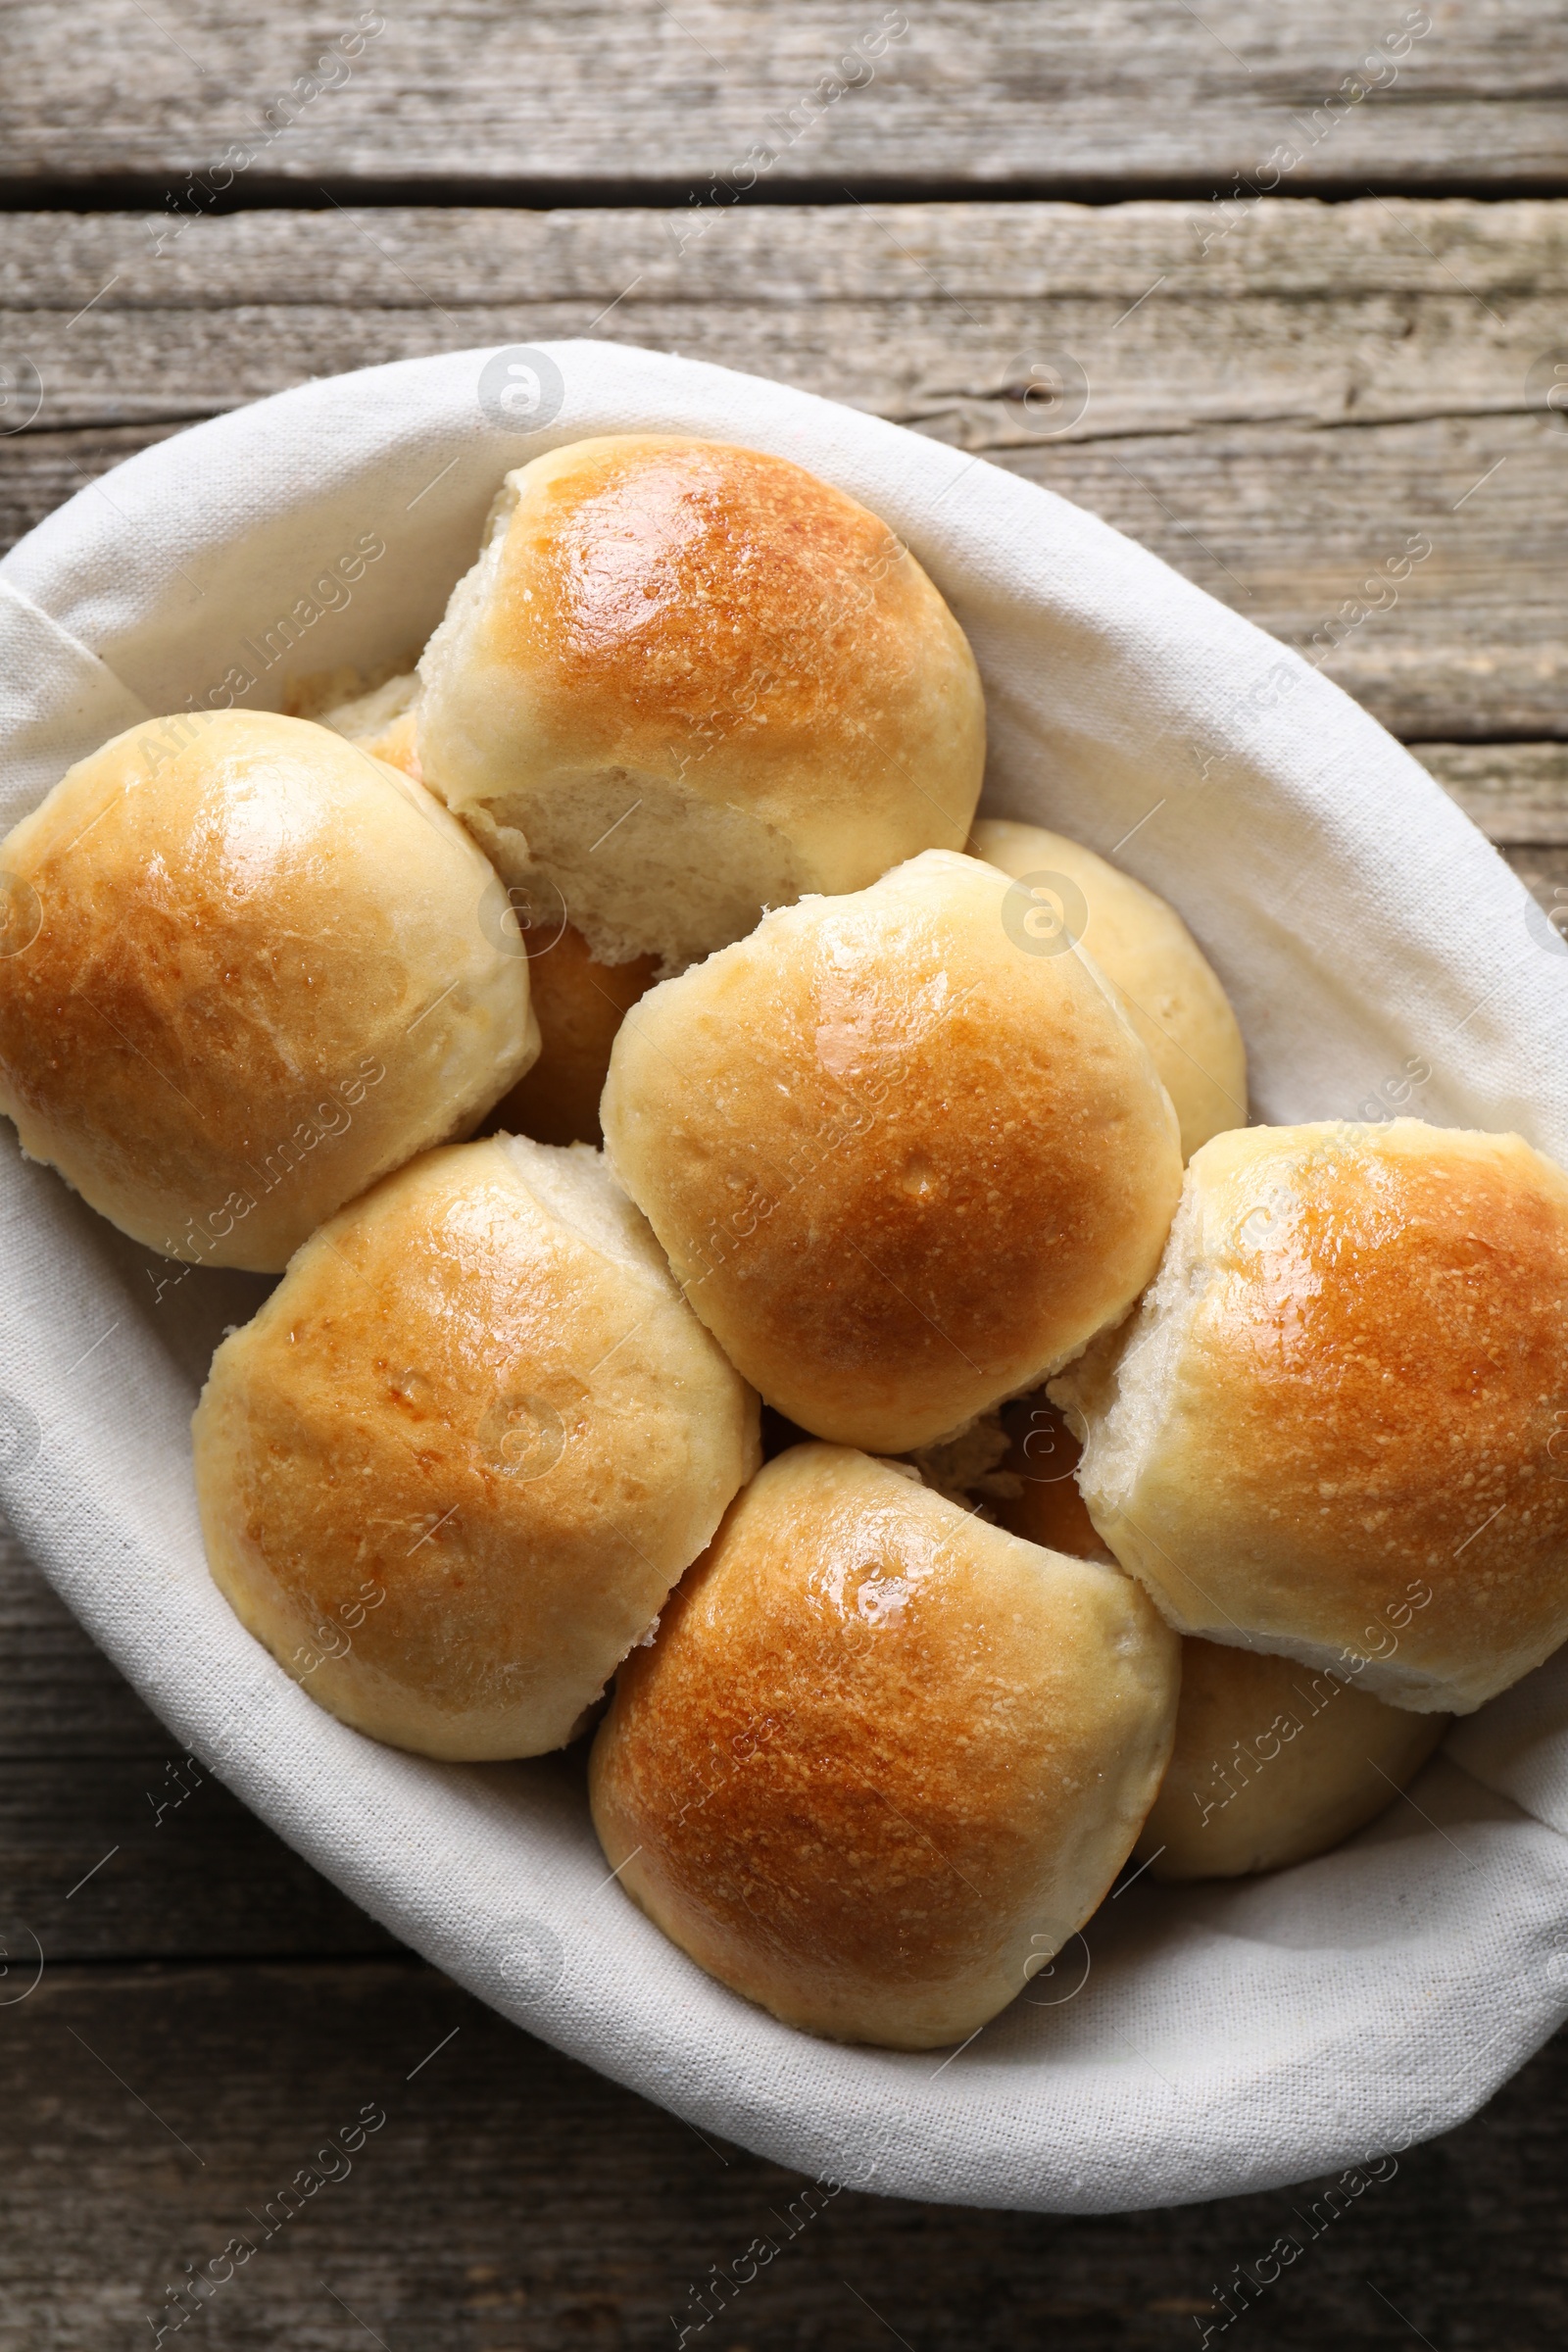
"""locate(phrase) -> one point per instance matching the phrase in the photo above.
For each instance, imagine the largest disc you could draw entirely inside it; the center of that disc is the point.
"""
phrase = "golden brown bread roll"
(450, 1471)
(261, 974)
(1166, 984)
(902, 1166)
(686, 681)
(579, 1006)
(882, 1759)
(1334, 1427)
(1272, 1764)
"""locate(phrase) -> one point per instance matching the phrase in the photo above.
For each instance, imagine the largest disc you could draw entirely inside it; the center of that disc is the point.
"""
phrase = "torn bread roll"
(882, 1759)
(249, 970)
(1166, 984)
(1337, 1427)
(1274, 1763)
(902, 1165)
(685, 681)
(578, 1003)
(451, 1470)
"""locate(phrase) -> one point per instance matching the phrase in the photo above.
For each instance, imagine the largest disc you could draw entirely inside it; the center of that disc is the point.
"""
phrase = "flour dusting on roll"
(451, 1470)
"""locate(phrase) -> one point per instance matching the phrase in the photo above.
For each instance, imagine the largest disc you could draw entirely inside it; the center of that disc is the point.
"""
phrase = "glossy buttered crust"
(1272, 1764)
(694, 629)
(1171, 990)
(450, 1471)
(260, 975)
(882, 1759)
(1336, 1427)
(902, 1164)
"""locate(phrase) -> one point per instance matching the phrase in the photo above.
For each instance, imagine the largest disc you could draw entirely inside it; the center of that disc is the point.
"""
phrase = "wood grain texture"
(1279, 394)
(1097, 95)
(1517, 793)
(1279, 399)
(111, 1843)
(512, 2201)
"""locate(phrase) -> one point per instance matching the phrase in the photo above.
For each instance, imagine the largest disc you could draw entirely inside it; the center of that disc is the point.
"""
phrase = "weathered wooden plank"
(59, 1695)
(1180, 316)
(407, 255)
(511, 2198)
(1281, 400)
(112, 1843)
(1459, 289)
(1097, 95)
(1544, 871)
(1517, 793)
(114, 1859)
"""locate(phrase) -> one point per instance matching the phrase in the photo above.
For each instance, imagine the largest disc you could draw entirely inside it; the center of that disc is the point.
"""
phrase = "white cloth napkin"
(1197, 2042)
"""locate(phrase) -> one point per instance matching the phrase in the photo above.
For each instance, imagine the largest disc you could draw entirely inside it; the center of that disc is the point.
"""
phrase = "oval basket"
(1195, 2041)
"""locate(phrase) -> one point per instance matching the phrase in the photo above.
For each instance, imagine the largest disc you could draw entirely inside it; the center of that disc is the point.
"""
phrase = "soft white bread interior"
(1335, 1427)
(1272, 1764)
(578, 1003)
(381, 719)
(685, 681)
(902, 1164)
(1168, 988)
(451, 1470)
(882, 1759)
(262, 968)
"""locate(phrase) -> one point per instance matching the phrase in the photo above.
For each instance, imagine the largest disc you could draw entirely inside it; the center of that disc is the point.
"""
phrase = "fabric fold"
(57, 702)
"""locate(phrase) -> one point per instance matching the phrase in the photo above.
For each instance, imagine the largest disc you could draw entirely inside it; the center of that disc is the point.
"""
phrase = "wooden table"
(1314, 314)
